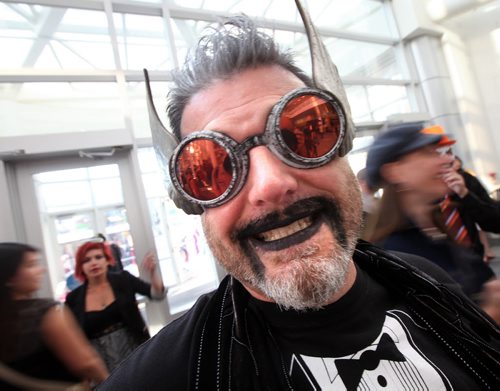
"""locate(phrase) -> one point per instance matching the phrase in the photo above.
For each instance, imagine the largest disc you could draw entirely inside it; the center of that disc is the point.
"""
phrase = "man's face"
(289, 234)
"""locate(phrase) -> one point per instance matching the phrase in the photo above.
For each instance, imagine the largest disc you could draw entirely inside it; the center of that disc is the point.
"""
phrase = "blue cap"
(396, 141)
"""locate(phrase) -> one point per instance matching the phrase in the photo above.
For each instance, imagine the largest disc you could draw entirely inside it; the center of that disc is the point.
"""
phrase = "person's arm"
(486, 214)
(488, 252)
(150, 265)
(66, 340)
(475, 186)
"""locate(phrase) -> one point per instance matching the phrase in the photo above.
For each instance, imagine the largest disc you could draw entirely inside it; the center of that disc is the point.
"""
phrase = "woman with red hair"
(105, 303)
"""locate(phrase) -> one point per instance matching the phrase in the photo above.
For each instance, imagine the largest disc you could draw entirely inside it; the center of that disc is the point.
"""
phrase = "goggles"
(304, 130)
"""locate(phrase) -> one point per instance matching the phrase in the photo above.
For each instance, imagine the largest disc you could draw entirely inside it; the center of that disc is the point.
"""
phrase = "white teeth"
(283, 232)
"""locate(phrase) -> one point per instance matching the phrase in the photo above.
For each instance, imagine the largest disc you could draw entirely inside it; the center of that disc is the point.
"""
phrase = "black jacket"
(215, 346)
(477, 207)
(124, 286)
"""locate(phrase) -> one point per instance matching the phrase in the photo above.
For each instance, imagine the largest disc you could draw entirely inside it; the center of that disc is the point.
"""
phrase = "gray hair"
(230, 48)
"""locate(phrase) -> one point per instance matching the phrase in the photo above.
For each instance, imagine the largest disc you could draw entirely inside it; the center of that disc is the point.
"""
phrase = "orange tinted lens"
(310, 126)
(204, 169)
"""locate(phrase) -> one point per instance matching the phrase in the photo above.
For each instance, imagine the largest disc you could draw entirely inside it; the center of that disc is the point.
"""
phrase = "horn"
(325, 74)
(164, 144)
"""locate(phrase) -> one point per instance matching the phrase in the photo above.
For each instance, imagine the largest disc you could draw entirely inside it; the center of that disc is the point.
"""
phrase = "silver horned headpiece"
(324, 74)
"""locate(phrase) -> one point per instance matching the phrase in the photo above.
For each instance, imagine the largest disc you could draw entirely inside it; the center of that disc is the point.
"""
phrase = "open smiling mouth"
(287, 233)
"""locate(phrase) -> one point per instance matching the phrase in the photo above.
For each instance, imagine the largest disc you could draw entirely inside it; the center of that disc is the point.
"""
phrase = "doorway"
(75, 199)
(75, 205)
(63, 201)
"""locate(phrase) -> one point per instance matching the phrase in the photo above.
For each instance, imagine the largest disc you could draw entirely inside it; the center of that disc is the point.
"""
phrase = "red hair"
(82, 252)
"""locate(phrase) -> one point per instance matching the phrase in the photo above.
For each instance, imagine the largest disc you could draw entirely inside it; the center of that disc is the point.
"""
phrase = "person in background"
(305, 305)
(414, 168)
(474, 185)
(38, 336)
(478, 195)
(115, 251)
(105, 305)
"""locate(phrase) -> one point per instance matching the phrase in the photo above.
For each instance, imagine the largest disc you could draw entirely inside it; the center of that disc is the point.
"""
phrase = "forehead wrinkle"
(243, 114)
(254, 86)
(241, 120)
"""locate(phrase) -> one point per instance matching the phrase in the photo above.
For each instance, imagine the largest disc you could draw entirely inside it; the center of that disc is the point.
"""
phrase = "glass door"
(75, 205)
(67, 200)
(188, 266)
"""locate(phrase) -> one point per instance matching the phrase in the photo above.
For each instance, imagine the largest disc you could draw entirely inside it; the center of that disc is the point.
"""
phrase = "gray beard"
(310, 284)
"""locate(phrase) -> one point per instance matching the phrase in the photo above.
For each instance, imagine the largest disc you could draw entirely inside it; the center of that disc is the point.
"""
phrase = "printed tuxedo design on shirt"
(391, 362)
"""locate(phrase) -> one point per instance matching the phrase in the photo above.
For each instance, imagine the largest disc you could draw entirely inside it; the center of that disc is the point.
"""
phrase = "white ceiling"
(466, 17)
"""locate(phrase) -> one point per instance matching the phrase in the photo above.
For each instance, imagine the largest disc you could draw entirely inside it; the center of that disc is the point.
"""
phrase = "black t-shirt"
(330, 349)
(95, 322)
(367, 340)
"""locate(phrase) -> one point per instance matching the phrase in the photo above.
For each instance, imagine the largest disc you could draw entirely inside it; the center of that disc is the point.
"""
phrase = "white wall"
(465, 63)
(471, 46)
(485, 59)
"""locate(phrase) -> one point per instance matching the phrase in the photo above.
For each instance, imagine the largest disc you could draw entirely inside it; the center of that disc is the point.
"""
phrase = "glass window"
(16, 33)
(186, 262)
(360, 16)
(107, 191)
(136, 91)
(49, 39)
(364, 59)
(354, 59)
(357, 157)
(80, 188)
(80, 41)
(387, 100)
(75, 204)
(186, 33)
(58, 197)
(62, 176)
(59, 107)
(358, 101)
(142, 43)
(297, 44)
(74, 227)
(105, 171)
(44, 37)
(377, 102)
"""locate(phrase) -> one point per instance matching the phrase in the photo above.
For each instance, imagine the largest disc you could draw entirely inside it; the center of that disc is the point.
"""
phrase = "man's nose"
(270, 181)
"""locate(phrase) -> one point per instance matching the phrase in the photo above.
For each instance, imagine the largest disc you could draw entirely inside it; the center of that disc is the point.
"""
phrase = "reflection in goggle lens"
(204, 169)
(310, 126)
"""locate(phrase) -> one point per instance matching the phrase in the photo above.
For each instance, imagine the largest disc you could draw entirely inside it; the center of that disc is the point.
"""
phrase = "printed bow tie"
(351, 370)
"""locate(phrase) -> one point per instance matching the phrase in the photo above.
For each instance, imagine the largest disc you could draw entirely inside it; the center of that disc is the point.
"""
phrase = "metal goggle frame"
(304, 130)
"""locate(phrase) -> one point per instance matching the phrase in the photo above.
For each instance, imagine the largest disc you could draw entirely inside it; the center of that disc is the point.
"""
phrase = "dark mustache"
(293, 212)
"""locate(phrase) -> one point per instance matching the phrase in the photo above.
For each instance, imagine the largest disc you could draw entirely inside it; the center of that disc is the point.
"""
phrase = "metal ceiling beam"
(177, 12)
(18, 10)
(29, 76)
(137, 76)
(45, 28)
(456, 8)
